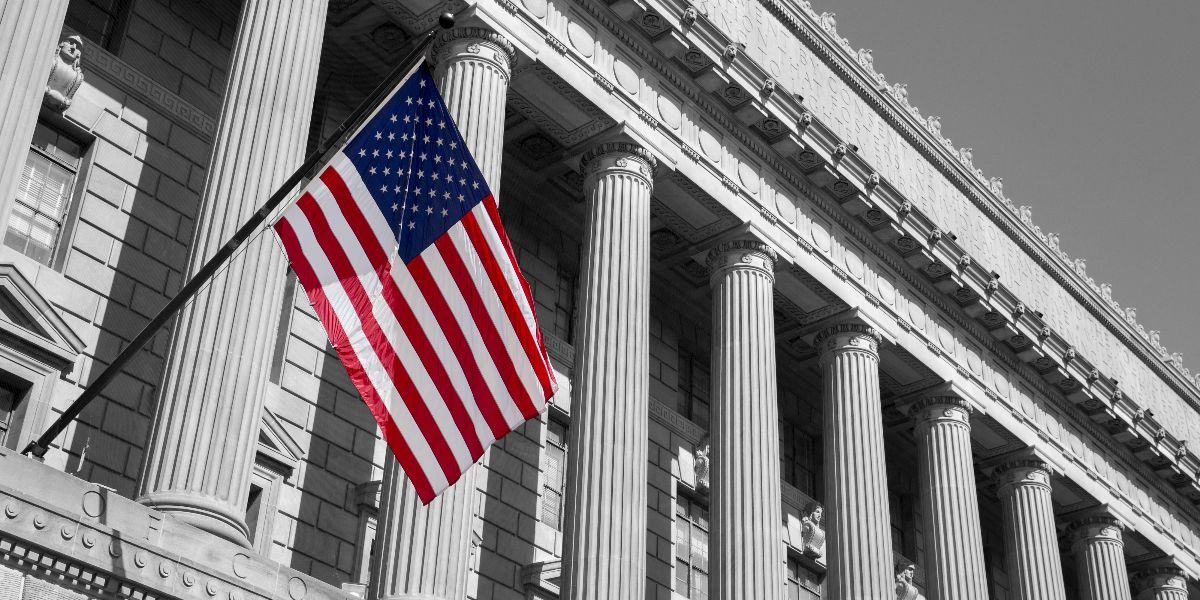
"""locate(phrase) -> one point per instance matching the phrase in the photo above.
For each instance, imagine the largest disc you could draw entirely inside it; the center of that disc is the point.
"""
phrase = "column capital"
(1023, 472)
(1096, 528)
(1152, 580)
(940, 409)
(628, 157)
(476, 42)
(741, 254)
(848, 336)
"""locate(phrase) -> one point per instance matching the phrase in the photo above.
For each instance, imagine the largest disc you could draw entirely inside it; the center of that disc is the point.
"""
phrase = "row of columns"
(202, 446)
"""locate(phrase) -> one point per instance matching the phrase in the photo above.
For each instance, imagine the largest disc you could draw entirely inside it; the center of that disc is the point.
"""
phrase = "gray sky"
(1089, 110)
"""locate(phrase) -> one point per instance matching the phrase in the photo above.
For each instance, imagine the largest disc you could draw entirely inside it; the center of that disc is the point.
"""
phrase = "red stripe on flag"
(412, 327)
(358, 375)
(498, 353)
(532, 348)
(374, 333)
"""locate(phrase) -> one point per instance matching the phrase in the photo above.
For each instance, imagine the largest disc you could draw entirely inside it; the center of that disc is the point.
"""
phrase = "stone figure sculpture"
(702, 465)
(905, 588)
(812, 531)
(66, 74)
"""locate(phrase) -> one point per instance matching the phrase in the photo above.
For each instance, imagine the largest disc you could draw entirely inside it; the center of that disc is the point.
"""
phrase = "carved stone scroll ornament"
(66, 74)
(812, 531)
(905, 588)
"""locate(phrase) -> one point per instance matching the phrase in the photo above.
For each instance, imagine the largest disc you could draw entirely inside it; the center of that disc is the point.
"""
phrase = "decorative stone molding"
(1160, 583)
(66, 74)
(742, 254)
(485, 43)
(941, 409)
(146, 89)
(1098, 528)
(1023, 472)
(619, 156)
(848, 336)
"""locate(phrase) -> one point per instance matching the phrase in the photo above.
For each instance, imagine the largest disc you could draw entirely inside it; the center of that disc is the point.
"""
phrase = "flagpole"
(39, 446)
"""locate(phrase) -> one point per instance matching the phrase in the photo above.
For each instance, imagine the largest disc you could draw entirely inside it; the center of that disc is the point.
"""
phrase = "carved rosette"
(749, 255)
(613, 158)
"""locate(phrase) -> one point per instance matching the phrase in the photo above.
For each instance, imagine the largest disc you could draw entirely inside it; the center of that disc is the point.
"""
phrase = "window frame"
(79, 189)
(554, 416)
(694, 501)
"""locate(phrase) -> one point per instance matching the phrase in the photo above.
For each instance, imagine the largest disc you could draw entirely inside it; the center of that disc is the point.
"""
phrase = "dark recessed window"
(101, 21)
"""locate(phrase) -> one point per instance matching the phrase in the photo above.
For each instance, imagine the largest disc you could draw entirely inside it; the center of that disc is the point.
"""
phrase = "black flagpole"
(39, 446)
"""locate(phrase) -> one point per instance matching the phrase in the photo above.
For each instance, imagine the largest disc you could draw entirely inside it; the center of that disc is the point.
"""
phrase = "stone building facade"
(807, 349)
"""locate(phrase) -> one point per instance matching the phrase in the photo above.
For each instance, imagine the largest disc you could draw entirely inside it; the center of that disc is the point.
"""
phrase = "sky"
(1089, 110)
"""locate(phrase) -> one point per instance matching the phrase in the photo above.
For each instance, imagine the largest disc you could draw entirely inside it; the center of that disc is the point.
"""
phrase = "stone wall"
(147, 115)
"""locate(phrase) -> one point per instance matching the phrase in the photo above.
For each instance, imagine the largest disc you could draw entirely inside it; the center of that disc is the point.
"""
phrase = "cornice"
(840, 57)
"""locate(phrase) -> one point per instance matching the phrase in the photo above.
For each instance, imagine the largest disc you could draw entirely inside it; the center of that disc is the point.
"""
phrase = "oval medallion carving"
(626, 77)
(710, 145)
(669, 111)
(581, 39)
(537, 8)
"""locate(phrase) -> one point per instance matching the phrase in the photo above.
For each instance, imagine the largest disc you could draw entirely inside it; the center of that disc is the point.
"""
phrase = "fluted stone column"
(425, 551)
(1030, 537)
(1160, 583)
(473, 69)
(1099, 553)
(604, 544)
(29, 31)
(206, 427)
(954, 564)
(747, 548)
(859, 532)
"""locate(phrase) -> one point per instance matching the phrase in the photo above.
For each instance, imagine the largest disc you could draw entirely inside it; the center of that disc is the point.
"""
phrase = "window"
(554, 473)
(903, 527)
(47, 186)
(101, 21)
(802, 584)
(797, 457)
(693, 389)
(691, 549)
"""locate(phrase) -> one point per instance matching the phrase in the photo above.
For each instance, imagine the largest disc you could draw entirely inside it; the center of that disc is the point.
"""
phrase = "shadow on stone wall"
(339, 458)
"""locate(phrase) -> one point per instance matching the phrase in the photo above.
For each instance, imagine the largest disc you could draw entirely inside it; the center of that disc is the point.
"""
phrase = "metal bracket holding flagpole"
(318, 157)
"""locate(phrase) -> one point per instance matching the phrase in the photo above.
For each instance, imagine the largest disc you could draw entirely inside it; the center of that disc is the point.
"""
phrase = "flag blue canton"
(416, 165)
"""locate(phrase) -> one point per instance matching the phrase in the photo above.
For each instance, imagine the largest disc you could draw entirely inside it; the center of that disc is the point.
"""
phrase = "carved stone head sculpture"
(905, 588)
(813, 531)
(66, 74)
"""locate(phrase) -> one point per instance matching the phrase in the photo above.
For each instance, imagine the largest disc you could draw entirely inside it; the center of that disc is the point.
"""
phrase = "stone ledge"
(53, 524)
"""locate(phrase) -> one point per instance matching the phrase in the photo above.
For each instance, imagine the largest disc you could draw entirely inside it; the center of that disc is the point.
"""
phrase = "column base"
(203, 513)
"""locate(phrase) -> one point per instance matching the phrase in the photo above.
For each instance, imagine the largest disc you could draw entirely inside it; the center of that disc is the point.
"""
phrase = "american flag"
(399, 246)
